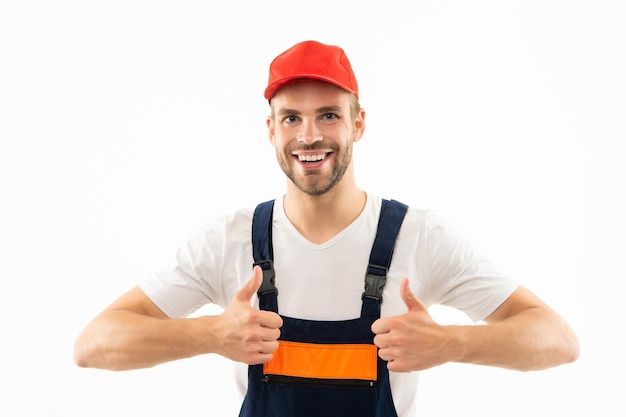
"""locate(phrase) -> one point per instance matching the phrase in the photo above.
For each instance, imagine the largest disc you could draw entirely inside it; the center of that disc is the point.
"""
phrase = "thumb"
(251, 286)
(410, 300)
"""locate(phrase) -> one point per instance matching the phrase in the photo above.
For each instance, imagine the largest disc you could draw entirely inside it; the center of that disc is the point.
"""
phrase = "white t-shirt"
(325, 281)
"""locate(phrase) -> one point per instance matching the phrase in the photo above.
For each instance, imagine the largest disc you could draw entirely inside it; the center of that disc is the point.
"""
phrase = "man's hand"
(411, 341)
(247, 334)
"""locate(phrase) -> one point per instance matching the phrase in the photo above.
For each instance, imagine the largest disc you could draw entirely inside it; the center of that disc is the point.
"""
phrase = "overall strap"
(391, 216)
(263, 255)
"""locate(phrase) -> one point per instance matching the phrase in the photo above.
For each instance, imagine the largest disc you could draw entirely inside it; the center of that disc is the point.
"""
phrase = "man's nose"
(309, 134)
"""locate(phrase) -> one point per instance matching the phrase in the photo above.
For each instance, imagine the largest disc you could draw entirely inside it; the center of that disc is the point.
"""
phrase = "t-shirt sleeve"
(193, 279)
(459, 275)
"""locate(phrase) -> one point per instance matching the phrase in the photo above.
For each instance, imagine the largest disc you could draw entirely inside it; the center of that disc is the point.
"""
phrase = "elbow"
(565, 351)
(569, 347)
(561, 349)
(87, 351)
(572, 351)
(81, 354)
(565, 344)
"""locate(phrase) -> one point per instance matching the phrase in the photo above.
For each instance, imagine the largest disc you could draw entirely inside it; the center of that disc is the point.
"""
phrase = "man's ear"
(269, 121)
(359, 125)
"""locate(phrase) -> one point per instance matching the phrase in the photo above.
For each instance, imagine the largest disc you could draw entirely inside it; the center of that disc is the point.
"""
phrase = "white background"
(124, 125)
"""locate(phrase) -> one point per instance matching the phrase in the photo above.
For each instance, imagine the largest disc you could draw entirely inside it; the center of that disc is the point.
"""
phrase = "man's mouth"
(312, 158)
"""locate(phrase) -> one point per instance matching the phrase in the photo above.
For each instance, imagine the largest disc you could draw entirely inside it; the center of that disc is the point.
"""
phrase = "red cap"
(311, 60)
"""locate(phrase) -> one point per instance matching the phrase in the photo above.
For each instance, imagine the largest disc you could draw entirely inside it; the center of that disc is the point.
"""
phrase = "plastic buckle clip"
(269, 278)
(375, 280)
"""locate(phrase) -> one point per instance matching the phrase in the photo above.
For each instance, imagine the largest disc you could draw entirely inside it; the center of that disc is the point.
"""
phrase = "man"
(312, 264)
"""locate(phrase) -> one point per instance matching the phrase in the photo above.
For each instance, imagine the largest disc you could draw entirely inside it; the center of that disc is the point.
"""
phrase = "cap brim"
(271, 89)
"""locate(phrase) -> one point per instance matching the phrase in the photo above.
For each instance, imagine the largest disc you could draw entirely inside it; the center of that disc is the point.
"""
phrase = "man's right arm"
(134, 333)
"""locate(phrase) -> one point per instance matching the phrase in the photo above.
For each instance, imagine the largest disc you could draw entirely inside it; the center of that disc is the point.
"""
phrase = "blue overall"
(272, 395)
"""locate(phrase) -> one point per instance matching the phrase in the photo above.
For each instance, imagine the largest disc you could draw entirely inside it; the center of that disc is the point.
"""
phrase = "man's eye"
(329, 116)
(290, 119)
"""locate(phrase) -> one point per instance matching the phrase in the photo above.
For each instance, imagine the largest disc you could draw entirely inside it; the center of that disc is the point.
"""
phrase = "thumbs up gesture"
(411, 341)
(247, 334)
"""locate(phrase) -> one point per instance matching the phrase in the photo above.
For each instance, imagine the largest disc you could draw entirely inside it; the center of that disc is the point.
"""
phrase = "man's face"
(312, 130)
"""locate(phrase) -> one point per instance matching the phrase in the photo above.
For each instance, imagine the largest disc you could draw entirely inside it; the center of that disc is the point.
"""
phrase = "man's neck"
(320, 218)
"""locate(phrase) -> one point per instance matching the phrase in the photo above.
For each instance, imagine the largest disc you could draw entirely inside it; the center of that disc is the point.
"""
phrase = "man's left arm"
(523, 333)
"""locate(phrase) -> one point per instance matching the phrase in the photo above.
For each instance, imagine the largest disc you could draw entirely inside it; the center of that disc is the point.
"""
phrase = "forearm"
(534, 339)
(121, 340)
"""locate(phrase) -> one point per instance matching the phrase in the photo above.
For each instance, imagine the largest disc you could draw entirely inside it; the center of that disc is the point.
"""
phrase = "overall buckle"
(375, 280)
(269, 277)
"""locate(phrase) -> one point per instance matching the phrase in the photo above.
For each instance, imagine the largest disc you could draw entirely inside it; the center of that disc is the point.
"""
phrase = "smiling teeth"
(311, 158)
